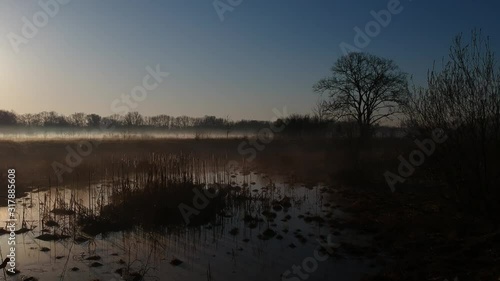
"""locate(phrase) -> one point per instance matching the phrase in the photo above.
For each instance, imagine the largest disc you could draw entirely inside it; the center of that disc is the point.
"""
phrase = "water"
(207, 252)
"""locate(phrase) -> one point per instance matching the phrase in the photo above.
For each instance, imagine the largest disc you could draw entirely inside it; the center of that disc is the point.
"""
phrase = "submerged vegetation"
(143, 194)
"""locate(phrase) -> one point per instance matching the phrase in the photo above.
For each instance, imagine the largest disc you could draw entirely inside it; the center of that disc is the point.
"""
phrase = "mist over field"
(21, 134)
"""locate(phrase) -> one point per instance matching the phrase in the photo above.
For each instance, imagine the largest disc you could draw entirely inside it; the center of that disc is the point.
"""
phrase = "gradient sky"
(265, 54)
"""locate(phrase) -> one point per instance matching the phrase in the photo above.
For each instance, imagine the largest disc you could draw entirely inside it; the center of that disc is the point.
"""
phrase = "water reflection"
(266, 225)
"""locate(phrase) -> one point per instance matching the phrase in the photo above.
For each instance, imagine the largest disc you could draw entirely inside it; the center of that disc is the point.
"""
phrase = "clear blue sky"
(265, 54)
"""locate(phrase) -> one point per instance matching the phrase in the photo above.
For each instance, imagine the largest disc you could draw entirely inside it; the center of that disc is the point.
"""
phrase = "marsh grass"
(146, 191)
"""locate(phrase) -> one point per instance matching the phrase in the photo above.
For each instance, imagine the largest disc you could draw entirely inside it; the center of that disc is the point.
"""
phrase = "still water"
(232, 249)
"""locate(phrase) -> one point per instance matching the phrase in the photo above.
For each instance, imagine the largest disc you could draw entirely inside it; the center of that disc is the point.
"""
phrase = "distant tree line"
(295, 124)
(131, 119)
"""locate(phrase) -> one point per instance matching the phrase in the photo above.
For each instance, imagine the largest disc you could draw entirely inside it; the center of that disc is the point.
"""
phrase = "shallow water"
(209, 252)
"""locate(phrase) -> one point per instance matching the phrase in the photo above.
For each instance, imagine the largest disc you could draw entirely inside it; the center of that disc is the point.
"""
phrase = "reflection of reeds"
(148, 191)
(131, 190)
(209, 273)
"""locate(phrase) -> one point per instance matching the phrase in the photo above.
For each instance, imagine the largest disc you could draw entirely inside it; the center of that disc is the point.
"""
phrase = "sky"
(243, 62)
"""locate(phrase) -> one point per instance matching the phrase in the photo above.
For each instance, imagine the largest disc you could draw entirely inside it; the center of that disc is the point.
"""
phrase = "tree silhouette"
(93, 120)
(364, 88)
(7, 118)
(133, 119)
(463, 99)
(78, 119)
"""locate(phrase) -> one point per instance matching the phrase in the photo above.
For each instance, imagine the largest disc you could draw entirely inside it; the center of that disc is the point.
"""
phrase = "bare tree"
(364, 88)
(133, 119)
(8, 118)
(228, 125)
(161, 121)
(93, 120)
(78, 119)
(319, 111)
(463, 99)
(114, 120)
(26, 119)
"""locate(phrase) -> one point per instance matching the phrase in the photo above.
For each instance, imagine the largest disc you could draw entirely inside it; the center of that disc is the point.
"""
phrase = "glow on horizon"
(263, 55)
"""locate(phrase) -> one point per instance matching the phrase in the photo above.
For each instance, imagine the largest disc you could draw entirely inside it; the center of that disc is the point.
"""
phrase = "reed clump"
(148, 191)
